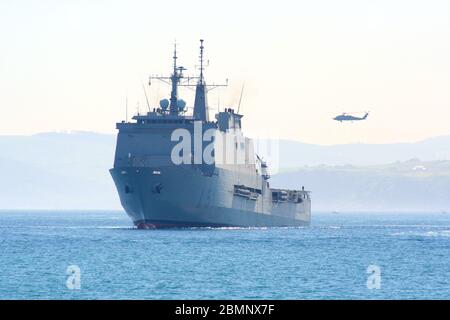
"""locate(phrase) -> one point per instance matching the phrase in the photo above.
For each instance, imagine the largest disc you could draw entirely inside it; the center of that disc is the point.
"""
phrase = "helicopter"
(348, 117)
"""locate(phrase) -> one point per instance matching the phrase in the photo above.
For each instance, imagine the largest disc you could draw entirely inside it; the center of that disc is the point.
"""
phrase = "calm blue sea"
(328, 260)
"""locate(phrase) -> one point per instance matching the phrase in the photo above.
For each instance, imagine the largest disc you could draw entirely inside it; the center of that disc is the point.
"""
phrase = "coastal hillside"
(70, 171)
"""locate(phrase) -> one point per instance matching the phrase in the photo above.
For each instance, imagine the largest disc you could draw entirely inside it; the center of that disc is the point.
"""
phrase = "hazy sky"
(68, 65)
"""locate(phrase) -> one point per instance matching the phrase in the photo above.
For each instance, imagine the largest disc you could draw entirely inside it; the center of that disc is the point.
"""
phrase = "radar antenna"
(146, 98)
(126, 108)
(240, 98)
(174, 80)
(201, 61)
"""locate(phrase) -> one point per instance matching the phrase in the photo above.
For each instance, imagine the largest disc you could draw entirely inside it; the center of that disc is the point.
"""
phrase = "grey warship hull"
(199, 202)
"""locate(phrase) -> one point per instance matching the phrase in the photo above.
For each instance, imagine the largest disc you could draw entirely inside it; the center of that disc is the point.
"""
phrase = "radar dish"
(164, 104)
(181, 104)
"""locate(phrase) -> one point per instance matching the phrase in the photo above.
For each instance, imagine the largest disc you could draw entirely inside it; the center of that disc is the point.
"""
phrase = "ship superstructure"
(174, 169)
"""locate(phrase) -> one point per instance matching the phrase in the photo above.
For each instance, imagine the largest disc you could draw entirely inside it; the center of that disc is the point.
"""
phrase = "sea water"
(100, 255)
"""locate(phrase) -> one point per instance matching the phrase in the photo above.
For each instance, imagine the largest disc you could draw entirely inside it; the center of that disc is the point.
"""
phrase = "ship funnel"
(200, 104)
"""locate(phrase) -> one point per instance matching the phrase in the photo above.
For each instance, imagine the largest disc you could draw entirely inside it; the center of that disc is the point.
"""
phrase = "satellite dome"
(164, 104)
(181, 104)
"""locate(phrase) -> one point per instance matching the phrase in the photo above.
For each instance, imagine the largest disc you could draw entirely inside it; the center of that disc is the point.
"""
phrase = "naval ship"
(175, 168)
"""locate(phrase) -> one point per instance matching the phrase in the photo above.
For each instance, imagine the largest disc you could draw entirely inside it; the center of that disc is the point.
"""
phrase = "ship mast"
(175, 79)
(200, 104)
(201, 61)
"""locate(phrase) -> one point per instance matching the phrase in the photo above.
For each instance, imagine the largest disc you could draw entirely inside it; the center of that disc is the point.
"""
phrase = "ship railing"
(294, 196)
(246, 192)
